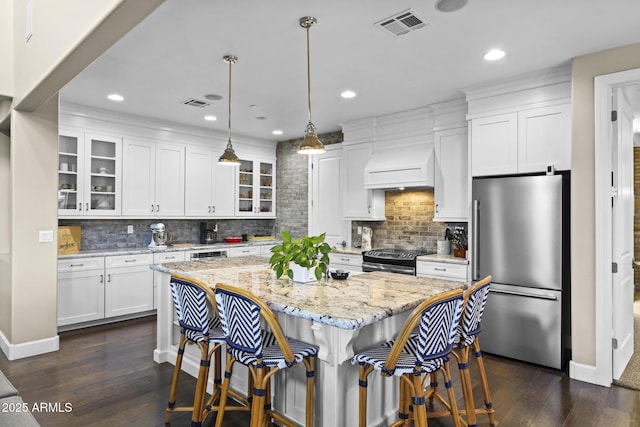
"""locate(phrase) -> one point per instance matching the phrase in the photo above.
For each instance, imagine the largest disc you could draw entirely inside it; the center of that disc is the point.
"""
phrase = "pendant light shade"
(229, 156)
(310, 144)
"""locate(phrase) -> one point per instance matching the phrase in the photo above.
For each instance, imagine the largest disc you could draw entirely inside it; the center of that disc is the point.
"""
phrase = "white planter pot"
(302, 274)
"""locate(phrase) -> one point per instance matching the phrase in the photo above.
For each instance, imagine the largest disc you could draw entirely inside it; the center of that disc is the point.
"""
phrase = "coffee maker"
(208, 232)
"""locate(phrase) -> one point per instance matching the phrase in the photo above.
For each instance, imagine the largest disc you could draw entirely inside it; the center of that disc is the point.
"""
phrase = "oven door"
(369, 266)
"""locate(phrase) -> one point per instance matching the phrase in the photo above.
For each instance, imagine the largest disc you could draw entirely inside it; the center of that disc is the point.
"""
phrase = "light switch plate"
(129, 229)
(45, 236)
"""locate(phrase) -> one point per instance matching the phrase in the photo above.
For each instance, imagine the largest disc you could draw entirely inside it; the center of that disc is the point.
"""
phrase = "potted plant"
(302, 260)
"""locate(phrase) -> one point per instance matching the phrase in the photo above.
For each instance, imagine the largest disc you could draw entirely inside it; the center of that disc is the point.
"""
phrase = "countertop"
(180, 247)
(350, 304)
(450, 259)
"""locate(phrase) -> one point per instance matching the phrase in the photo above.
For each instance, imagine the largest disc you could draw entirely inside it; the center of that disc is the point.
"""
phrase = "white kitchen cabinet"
(522, 142)
(159, 258)
(128, 284)
(80, 290)
(153, 179)
(344, 261)
(442, 270)
(89, 174)
(256, 194)
(451, 175)
(359, 203)
(243, 251)
(209, 187)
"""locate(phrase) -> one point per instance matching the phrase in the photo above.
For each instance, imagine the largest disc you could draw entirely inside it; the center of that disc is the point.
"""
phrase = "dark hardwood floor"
(108, 376)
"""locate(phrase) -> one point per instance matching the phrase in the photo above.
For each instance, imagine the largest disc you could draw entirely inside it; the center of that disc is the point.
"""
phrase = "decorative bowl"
(339, 274)
(233, 239)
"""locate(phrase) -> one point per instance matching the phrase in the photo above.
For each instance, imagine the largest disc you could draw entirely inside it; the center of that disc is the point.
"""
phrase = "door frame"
(603, 87)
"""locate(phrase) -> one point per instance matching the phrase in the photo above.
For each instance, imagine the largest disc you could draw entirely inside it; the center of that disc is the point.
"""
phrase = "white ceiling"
(176, 53)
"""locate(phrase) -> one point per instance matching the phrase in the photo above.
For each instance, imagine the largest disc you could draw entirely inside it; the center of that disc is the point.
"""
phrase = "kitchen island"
(341, 317)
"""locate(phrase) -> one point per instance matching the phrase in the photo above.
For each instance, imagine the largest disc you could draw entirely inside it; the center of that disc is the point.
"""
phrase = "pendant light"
(310, 144)
(229, 156)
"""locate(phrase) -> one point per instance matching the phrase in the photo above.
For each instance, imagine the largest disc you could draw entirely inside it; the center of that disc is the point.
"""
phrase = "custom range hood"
(393, 167)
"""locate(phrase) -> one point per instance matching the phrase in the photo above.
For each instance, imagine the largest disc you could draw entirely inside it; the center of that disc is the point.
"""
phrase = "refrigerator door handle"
(525, 294)
(476, 233)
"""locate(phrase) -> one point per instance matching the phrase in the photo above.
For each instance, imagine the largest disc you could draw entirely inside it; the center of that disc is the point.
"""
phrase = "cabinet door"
(326, 197)
(266, 188)
(358, 202)
(70, 173)
(494, 145)
(128, 290)
(80, 296)
(102, 175)
(544, 138)
(256, 194)
(224, 190)
(451, 175)
(169, 180)
(138, 178)
(198, 182)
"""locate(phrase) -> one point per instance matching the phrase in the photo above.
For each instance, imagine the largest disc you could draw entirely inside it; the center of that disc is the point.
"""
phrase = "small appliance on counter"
(208, 232)
(159, 236)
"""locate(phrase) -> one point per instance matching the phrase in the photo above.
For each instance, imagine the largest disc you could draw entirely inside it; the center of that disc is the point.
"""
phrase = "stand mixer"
(159, 236)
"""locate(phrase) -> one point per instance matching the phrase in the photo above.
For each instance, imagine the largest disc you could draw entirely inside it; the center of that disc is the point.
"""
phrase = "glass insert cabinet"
(88, 174)
(256, 184)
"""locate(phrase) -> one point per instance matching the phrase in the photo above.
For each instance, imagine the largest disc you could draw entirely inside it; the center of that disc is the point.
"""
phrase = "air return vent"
(195, 103)
(402, 23)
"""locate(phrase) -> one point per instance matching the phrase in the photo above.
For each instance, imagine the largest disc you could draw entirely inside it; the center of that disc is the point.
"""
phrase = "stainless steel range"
(401, 261)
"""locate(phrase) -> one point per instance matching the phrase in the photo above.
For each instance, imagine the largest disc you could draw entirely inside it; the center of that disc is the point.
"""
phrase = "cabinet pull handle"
(213, 209)
(440, 269)
(368, 209)
(79, 206)
(76, 265)
(157, 208)
(109, 278)
(344, 259)
(102, 278)
(169, 257)
(130, 260)
(86, 207)
(245, 251)
(437, 211)
(151, 208)
(209, 210)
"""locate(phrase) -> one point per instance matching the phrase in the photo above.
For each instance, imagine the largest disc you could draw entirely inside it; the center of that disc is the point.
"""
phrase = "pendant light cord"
(308, 73)
(229, 135)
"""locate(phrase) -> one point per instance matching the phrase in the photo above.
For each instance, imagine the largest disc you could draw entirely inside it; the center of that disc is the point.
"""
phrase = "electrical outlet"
(359, 230)
(45, 236)
(215, 227)
(129, 229)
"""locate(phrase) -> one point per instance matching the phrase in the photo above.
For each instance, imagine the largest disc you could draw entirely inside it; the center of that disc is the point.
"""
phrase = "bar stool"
(194, 302)
(263, 352)
(410, 356)
(475, 299)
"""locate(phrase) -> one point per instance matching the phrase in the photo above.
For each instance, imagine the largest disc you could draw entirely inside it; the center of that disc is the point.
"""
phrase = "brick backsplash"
(409, 222)
(112, 233)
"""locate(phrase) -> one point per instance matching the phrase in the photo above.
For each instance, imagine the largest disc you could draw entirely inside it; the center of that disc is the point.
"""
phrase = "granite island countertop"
(360, 300)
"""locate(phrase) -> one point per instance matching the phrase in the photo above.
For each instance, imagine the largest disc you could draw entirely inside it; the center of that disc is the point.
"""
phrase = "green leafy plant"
(310, 252)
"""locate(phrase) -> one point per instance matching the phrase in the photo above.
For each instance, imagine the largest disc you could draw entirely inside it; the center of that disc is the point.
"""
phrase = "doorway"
(609, 363)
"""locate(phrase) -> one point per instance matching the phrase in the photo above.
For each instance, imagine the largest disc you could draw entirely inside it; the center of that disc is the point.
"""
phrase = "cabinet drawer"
(159, 258)
(81, 264)
(346, 259)
(128, 260)
(442, 270)
(266, 251)
(244, 251)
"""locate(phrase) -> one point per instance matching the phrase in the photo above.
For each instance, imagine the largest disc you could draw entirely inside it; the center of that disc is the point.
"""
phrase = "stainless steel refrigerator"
(521, 238)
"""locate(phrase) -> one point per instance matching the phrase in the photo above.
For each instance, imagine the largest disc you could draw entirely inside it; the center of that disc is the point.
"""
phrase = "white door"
(622, 236)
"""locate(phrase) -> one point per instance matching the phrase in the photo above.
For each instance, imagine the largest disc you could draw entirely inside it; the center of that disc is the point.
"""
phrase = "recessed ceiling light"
(494, 55)
(261, 118)
(210, 118)
(276, 132)
(213, 97)
(115, 97)
(348, 94)
(450, 5)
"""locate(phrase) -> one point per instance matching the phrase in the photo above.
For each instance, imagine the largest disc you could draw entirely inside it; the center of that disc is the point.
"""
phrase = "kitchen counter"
(450, 259)
(342, 318)
(178, 247)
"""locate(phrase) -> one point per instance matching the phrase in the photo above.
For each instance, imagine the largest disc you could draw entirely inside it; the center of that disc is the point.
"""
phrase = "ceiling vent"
(402, 23)
(195, 103)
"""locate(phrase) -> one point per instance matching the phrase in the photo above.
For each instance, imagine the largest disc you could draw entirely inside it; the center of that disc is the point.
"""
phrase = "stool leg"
(484, 382)
(467, 391)
(405, 397)
(362, 394)
(310, 363)
(417, 400)
(446, 372)
(257, 407)
(174, 380)
(201, 386)
(225, 390)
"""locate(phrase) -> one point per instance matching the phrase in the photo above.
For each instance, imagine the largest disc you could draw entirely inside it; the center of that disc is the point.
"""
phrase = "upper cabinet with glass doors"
(89, 175)
(256, 189)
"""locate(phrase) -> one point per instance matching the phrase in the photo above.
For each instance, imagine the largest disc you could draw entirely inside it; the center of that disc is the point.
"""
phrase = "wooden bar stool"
(194, 302)
(263, 352)
(475, 299)
(411, 356)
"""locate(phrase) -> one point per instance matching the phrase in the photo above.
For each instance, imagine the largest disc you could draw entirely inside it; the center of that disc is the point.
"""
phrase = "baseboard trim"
(28, 349)
(585, 373)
